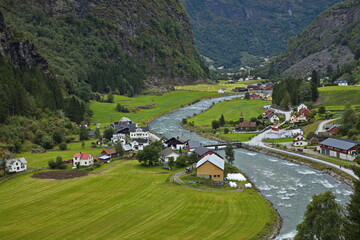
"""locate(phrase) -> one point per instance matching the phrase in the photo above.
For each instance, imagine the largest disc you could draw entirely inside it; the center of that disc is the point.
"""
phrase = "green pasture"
(158, 105)
(231, 110)
(280, 140)
(40, 160)
(128, 201)
(339, 96)
(240, 137)
(311, 127)
(216, 87)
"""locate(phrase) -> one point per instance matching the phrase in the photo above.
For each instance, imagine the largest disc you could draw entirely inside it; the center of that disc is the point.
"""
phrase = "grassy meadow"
(216, 87)
(40, 160)
(336, 97)
(157, 105)
(128, 201)
(231, 110)
(240, 137)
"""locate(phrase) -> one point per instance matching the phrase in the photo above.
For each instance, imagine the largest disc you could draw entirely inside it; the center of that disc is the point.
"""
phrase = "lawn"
(240, 137)
(127, 202)
(280, 140)
(339, 96)
(40, 160)
(311, 127)
(158, 105)
(216, 87)
(231, 110)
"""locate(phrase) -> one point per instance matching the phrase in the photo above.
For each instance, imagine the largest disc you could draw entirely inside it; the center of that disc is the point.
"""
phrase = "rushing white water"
(287, 185)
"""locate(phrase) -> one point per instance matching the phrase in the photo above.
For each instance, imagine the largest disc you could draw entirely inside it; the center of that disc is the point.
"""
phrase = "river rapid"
(287, 185)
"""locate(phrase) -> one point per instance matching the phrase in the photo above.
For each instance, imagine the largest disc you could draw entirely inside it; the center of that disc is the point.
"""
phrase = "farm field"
(280, 140)
(231, 110)
(158, 105)
(128, 201)
(241, 137)
(216, 87)
(339, 96)
(40, 160)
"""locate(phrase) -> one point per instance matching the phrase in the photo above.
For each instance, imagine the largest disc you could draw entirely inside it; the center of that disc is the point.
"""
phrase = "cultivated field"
(231, 110)
(127, 201)
(147, 107)
(216, 87)
(339, 96)
(240, 137)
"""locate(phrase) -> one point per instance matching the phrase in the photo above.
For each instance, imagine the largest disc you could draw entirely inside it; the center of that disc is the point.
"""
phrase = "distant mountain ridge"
(330, 41)
(228, 31)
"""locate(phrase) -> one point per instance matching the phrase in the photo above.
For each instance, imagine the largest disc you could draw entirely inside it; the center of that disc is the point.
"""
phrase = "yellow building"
(211, 166)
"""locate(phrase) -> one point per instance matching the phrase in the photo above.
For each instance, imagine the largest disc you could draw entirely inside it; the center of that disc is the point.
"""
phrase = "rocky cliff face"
(20, 53)
(330, 40)
(76, 35)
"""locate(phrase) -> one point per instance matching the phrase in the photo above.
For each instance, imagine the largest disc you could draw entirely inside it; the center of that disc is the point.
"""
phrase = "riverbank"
(333, 172)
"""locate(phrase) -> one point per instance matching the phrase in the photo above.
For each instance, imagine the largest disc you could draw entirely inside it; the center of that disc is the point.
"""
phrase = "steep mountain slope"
(109, 44)
(228, 30)
(331, 40)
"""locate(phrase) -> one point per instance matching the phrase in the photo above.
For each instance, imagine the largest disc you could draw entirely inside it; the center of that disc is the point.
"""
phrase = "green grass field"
(216, 87)
(231, 110)
(127, 202)
(241, 137)
(106, 113)
(280, 140)
(40, 160)
(339, 96)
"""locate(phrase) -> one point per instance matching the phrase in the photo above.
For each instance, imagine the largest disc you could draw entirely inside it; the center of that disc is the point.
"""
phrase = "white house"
(222, 90)
(342, 82)
(178, 142)
(83, 159)
(300, 140)
(119, 138)
(274, 118)
(168, 153)
(301, 106)
(139, 144)
(16, 165)
(139, 133)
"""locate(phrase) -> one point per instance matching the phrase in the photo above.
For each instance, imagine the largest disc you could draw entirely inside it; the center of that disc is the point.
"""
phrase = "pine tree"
(229, 153)
(222, 120)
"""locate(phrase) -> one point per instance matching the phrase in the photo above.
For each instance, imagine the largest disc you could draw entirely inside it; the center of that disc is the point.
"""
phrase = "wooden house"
(166, 154)
(300, 141)
(111, 152)
(211, 166)
(192, 145)
(83, 159)
(202, 151)
(246, 126)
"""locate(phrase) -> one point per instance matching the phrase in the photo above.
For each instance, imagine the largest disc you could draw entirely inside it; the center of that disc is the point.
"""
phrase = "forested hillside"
(330, 41)
(230, 31)
(149, 40)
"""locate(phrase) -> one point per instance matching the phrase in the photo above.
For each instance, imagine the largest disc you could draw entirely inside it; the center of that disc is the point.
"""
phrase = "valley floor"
(128, 201)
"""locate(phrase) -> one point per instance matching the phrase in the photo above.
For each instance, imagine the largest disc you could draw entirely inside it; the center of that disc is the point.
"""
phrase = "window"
(214, 176)
(218, 175)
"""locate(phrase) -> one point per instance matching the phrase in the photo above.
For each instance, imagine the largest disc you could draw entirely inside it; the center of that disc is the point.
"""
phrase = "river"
(287, 185)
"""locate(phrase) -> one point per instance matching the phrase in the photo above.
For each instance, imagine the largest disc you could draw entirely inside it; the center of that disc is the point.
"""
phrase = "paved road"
(321, 126)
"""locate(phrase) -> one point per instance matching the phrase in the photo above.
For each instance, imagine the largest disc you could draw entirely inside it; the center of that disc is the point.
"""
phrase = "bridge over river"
(287, 185)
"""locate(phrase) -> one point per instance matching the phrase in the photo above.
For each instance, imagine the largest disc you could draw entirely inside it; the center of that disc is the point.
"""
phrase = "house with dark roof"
(83, 159)
(139, 144)
(123, 128)
(246, 126)
(340, 148)
(16, 165)
(178, 142)
(202, 151)
(166, 154)
(211, 166)
(192, 145)
(299, 141)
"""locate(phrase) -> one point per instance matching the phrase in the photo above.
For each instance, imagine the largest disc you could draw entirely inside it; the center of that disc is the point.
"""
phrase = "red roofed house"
(111, 152)
(254, 96)
(304, 111)
(83, 159)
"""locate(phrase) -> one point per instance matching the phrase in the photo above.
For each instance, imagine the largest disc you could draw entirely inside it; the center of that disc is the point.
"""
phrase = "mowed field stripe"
(127, 201)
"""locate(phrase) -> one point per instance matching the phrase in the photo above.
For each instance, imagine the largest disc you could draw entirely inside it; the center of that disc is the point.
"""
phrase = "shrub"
(63, 146)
